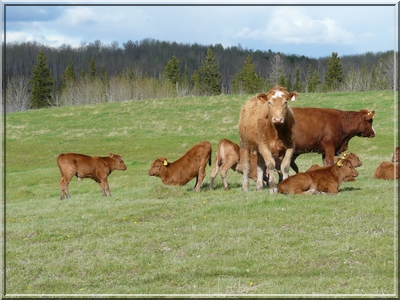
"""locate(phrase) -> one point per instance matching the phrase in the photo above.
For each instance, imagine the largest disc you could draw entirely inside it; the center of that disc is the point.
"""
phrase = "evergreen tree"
(333, 76)
(210, 77)
(310, 87)
(68, 76)
(298, 86)
(281, 79)
(195, 80)
(246, 81)
(41, 83)
(289, 83)
(92, 69)
(382, 80)
(172, 72)
(316, 82)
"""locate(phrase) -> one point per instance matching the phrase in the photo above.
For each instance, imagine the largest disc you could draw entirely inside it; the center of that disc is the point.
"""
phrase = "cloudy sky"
(312, 30)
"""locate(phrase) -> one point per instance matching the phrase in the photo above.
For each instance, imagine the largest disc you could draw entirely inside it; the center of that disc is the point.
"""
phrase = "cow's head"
(347, 167)
(395, 157)
(118, 161)
(158, 166)
(277, 99)
(365, 128)
(353, 158)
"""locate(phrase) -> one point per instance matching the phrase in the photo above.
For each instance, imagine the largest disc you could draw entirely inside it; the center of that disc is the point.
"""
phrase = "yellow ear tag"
(339, 163)
(165, 162)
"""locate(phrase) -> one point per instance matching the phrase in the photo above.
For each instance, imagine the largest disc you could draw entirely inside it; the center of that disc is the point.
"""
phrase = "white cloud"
(291, 25)
(79, 15)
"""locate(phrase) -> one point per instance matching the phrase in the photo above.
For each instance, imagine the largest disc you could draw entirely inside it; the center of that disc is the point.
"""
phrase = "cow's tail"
(59, 165)
(209, 159)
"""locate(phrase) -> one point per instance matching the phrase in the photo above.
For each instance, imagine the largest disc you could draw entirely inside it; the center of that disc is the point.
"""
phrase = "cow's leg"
(286, 163)
(245, 162)
(293, 165)
(224, 170)
(105, 189)
(260, 171)
(329, 153)
(214, 173)
(64, 181)
(270, 167)
(200, 177)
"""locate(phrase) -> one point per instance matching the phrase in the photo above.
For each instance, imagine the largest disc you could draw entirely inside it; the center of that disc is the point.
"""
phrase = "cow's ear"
(293, 96)
(339, 163)
(111, 154)
(262, 98)
(370, 115)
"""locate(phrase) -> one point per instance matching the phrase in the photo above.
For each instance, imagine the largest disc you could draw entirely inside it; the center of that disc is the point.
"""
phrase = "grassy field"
(152, 239)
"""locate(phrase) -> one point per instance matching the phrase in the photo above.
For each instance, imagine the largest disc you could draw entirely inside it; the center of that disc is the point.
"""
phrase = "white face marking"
(277, 94)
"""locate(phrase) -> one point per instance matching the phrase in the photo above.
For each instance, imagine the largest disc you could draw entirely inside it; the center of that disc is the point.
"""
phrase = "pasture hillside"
(152, 239)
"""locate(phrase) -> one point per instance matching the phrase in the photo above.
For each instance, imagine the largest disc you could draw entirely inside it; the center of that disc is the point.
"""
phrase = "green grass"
(153, 239)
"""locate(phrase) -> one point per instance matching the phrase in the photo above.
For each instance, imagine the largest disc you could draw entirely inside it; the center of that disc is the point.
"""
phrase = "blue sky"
(311, 30)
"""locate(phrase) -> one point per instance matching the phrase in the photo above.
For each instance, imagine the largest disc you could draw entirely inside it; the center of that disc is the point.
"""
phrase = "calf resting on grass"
(322, 180)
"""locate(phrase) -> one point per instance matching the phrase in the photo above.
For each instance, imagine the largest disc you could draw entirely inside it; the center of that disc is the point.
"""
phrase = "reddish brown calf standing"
(84, 166)
(228, 157)
(192, 164)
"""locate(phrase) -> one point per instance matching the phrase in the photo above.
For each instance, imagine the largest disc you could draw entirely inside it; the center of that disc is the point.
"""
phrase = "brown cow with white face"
(326, 180)
(328, 131)
(192, 164)
(83, 166)
(266, 126)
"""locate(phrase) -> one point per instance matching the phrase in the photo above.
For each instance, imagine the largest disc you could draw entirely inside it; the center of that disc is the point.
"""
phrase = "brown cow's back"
(387, 171)
(328, 131)
(190, 165)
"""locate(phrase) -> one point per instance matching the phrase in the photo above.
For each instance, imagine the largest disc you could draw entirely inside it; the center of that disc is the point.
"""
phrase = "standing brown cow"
(192, 164)
(228, 157)
(328, 131)
(266, 126)
(84, 166)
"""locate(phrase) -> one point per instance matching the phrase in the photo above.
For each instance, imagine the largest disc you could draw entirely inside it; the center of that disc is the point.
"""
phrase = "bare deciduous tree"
(17, 94)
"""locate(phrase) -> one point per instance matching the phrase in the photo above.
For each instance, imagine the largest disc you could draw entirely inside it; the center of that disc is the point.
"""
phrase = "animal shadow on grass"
(220, 186)
(349, 189)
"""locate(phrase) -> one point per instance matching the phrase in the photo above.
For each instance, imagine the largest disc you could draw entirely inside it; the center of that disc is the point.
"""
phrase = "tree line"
(38, 76)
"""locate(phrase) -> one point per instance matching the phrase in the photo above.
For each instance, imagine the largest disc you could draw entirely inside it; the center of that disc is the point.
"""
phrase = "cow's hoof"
(273, 191)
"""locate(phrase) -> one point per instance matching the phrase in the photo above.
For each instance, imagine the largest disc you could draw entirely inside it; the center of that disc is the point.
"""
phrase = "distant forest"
(138, 70)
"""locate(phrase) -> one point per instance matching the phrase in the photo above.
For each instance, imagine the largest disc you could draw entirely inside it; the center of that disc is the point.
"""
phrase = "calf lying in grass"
(352, 157)
(325, 180)
(388, 170)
